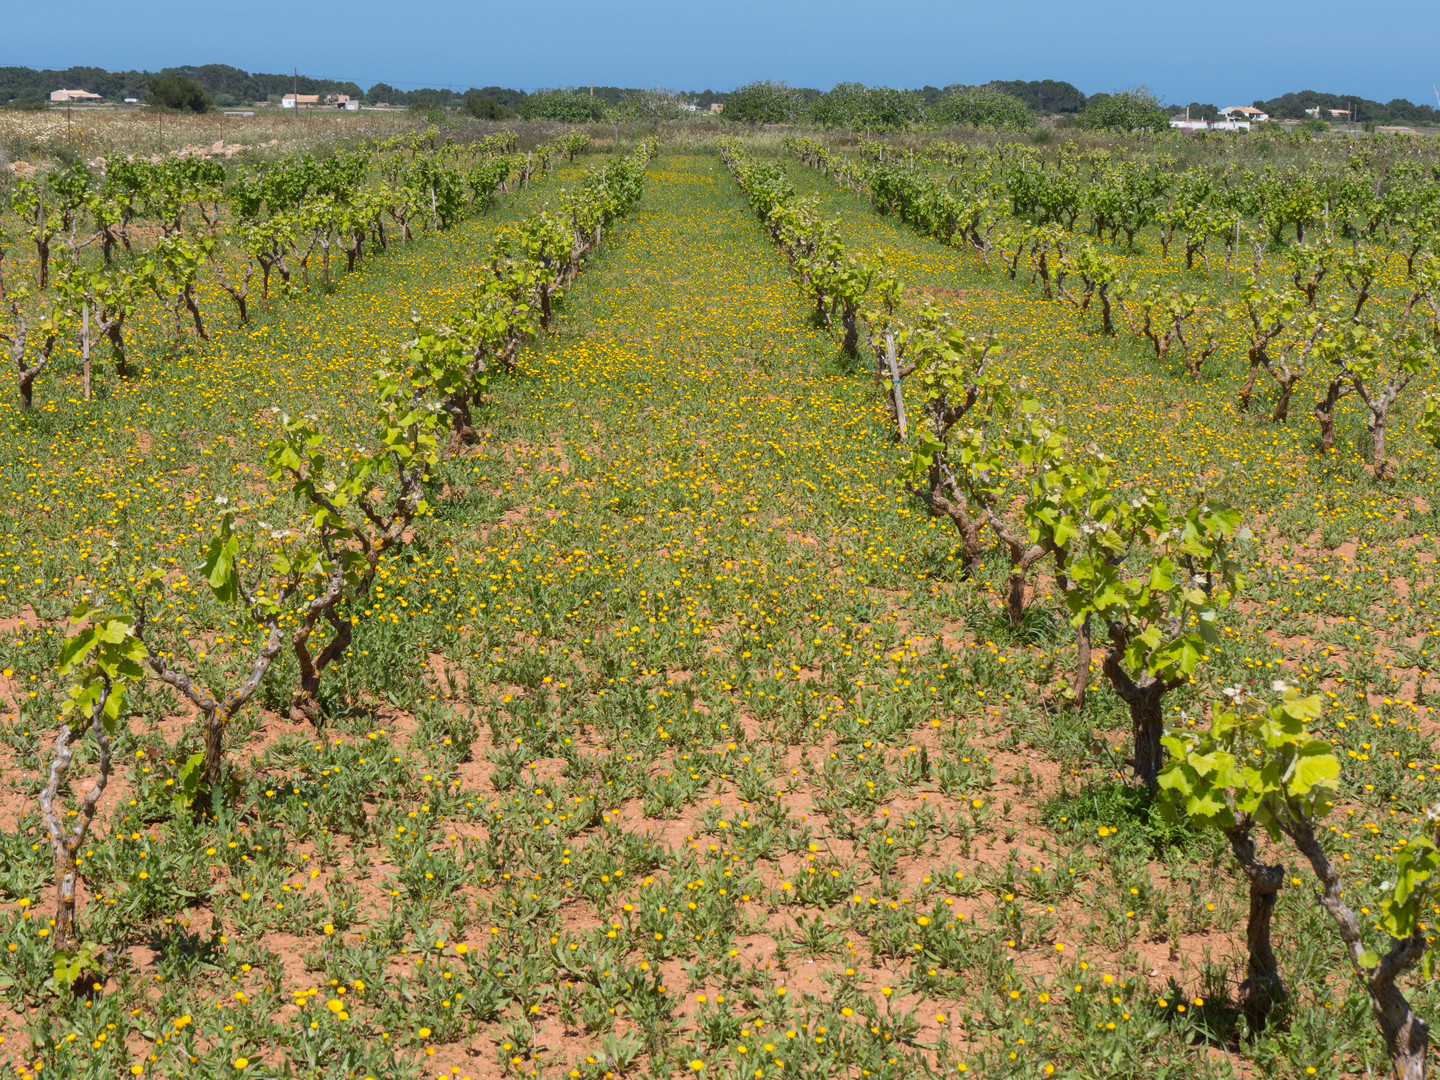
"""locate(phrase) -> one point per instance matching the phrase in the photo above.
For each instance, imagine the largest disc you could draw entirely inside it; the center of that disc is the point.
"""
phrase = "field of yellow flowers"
(677, 742)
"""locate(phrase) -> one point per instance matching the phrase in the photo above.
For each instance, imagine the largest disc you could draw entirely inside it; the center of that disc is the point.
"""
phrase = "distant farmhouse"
(312, 101)
(1232, 118)
(1235, 118)
(73, 95)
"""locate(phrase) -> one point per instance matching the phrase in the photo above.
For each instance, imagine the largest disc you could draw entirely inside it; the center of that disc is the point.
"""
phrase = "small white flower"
(221, 500)
(1279, 686)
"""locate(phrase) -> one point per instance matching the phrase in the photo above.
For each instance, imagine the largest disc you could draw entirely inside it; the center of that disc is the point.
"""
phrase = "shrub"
(981, 107)
(565, 106)
(486, 108)
(856, 107)
(180, 94)
(1132, 110)
(763, 102)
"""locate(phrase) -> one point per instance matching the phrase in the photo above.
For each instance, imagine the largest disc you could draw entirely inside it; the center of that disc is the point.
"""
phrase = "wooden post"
(895, 384)
(85, 345)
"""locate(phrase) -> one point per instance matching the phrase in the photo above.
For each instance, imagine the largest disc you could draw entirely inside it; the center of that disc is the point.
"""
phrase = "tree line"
(1013, 102)
(227, 85)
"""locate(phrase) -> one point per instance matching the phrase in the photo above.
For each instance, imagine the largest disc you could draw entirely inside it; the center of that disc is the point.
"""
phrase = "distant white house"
(342, 101)
(1244, 112)
(1184, 124)
(1334, 114)
(302, 101)
(73, 95)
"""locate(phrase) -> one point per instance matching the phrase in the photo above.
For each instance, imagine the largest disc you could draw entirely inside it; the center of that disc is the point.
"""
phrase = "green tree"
(179, 94)
(486, 108)
(763, 102)
(981, 107)
(565, 106)
(649, 106)
(856, 107)
(29, 98)
(1136, 109)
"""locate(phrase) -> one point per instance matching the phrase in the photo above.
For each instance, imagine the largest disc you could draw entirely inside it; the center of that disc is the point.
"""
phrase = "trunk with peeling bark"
(462, 424)
(1376, 426)
(1287, 382)
(1325, 413)
(305, 702)
(239, 290)
(115, 331)
(1263, 987)
(42, 251)
(1247, 388)
(215, 712)
(192, 305)
(1023, 556)
(18, 342)
(1379, 403)
(1143, 697)
(67, 839)
(381, 532)
(851, 343)
(1407, 1037)
(966, 524)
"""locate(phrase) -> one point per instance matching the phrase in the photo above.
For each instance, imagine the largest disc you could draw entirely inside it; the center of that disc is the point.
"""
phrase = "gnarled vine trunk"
(1263, 987)
(1144, 699)
(1407, 1037)
(66, 842)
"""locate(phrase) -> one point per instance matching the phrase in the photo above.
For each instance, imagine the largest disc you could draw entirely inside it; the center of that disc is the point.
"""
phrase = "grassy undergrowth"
(680, 744)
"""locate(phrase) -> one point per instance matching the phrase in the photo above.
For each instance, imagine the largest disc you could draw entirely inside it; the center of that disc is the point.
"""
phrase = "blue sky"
(1183, 52)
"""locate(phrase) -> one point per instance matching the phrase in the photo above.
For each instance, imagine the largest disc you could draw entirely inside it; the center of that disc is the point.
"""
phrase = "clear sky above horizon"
(1383, 50)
